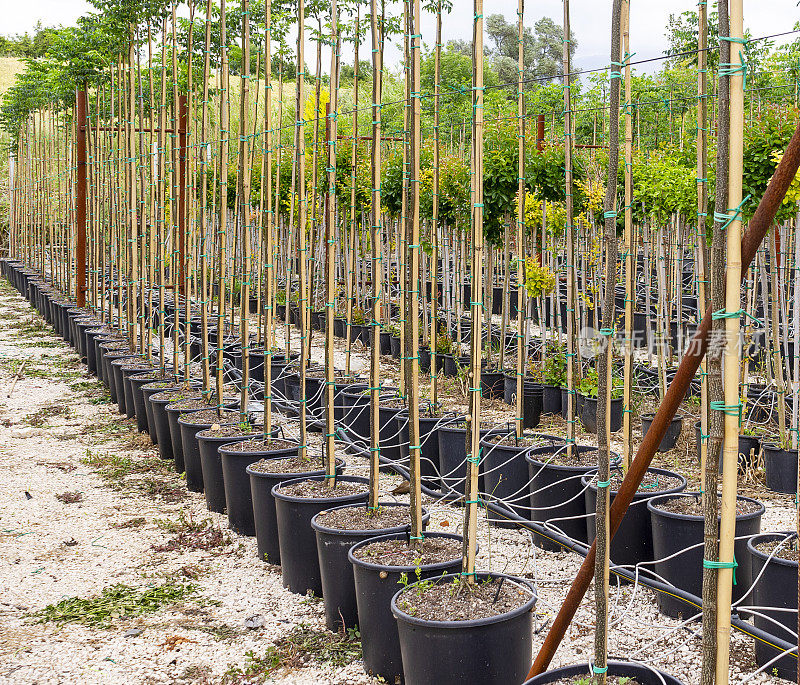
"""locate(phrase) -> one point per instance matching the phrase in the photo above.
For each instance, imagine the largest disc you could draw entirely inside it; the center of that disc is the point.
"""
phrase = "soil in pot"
(633, 542)
(670, 436)
(451, 633)
(264, 475)
(776, 555)
(619, 673)
(677, 524)
(209, 438)
(190, 424)
(505, 472)
(296, 503)
(337, 530)
(235, 459)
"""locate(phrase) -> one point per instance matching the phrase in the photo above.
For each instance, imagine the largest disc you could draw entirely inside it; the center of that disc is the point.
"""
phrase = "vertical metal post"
(80, 198)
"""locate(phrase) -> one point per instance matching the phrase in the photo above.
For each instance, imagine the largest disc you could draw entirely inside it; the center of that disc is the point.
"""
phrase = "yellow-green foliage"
(539, 280)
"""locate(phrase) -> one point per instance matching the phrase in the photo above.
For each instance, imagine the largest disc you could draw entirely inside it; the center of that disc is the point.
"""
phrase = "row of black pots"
(495, 650)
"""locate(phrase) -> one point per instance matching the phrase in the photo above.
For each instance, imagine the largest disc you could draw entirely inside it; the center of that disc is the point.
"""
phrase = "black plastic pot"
(492, 384)
(173, 412)
(453, 456)
(189, 427)
(775, 589)
(673, 533)
(386, 343)
(298, 542)
(489, 651)
(238, 500)
(127, 391)
(781, 468)
(389, 432)
(510, 387)
(633, 542)
(671, 435)
(551, 399)
(109, 378)
(532, 397)
(429, 427)
(140, 404)
(557, 494)
(211, 467)
(505, 475)
(157, 420)
(375, 585)
(265, 518)
(336, 570)
(587, 407)
(394, 341)
(644, 675)
(746, 444)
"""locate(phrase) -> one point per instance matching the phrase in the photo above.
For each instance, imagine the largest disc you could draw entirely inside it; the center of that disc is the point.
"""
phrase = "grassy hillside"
(9, 68)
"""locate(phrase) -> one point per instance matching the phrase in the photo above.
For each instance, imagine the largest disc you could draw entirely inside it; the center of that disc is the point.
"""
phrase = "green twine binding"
(722, 564)
(598, 670)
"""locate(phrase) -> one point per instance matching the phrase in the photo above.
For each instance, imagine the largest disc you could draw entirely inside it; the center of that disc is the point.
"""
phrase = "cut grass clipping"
(115, 602)
(298, 649)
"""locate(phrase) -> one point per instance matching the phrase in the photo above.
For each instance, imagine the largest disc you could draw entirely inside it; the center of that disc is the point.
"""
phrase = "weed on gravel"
(147, 475)
(115, 602)
(300, 647)
(40, 417)
(192, 534)
(70, 497)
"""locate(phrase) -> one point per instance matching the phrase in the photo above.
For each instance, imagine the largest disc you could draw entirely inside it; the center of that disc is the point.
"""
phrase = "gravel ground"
(59, 434)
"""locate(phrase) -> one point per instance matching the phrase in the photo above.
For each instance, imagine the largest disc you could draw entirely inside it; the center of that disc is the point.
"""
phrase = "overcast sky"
(590, 21)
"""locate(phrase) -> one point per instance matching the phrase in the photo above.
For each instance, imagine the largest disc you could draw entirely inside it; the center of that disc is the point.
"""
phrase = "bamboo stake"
(244, 172)
(570, 246)
(330, 252)
(377, 271)
(730, 451)
(520, 234)
(269, 220)
(474, 413)
(437, 74)
(302, 209)
(222, 237)
(629, 255)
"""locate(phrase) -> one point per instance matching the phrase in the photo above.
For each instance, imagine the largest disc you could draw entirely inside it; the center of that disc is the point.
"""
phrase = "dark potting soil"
(288, 465)
(463, 601)
(693, 506)
(268, 445)
(587, 458)
(190, 403)
(788, 551)
(135, 365)
(220, 431)
(586, 680)
(156, 376)
(175, 395)
(117, 345)
(160, 384)
(394, 403)
(361, 518)
(651, 483)
(314, 489)
(398, 553)
(211, 416)
(512, 441)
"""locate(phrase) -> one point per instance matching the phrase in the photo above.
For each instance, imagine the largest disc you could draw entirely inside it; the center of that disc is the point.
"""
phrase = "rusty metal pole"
(758, 227)
(182, 155)
(80, 197)
(540, 132)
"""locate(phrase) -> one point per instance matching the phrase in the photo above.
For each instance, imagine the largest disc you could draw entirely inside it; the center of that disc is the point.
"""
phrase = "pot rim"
(647, 496)
(399, 614)
(398, 536)
(292, 476)
(283, 451)
(753, 541)
(566, 671)
(530, 458)
(693, 517)
(322, 528)
(277, 494)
